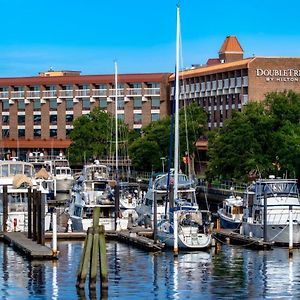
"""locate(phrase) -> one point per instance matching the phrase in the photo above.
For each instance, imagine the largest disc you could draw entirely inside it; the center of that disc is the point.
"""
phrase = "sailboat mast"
(116, 116)
(176, 142)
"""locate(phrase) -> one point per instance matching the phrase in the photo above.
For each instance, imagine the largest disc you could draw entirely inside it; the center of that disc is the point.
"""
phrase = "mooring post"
(5, 208)
(42, 218)
(95, 248)
(39, 218)
(155, 217)
(29, 211)
(86, 259)
(117, 204)
(81, 264)
(291, 231)
(54, 233)
(103, 260)
(265, 218)
(34, 216)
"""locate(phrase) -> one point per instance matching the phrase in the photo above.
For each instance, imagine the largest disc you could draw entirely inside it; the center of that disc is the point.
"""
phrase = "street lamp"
(163, 163)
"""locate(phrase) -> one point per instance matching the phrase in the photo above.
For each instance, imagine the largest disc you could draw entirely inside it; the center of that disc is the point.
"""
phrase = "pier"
(232, 237)
(27, 246)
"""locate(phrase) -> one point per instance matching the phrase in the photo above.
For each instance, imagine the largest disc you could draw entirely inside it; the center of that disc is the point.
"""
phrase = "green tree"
(263, 139)
(93, 136)
(157, 136)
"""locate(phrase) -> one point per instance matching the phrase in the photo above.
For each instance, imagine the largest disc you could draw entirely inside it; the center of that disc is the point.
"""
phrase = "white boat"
(158, 184)
(129, 195)
(231, 212)
(183, 226)
(19, 176)
(93, 189)
(282, 198)
(58, 168)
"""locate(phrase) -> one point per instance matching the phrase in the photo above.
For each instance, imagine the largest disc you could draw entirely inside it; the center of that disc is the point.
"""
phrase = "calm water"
(233, 273)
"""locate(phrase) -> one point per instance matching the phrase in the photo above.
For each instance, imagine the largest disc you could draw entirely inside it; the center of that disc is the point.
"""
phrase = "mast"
(116, 117)
(176, 143)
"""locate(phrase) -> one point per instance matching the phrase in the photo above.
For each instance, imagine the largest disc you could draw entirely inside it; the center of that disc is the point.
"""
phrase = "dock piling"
(290, 231)
(5, 208)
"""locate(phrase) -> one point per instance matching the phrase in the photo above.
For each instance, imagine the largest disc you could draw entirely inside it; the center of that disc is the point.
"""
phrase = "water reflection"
(234, 272)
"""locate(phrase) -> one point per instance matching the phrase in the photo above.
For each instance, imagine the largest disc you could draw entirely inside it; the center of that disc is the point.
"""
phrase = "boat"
(58, 168)
(231, 212)
(91, 189)
(183, 226)
(281, 199)
(19, 177)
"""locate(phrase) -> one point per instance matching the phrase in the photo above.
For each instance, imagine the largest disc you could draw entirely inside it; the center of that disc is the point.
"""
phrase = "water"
(233, 273)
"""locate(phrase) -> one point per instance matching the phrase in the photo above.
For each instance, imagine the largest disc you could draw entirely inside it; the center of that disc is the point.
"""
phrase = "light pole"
(163, 163)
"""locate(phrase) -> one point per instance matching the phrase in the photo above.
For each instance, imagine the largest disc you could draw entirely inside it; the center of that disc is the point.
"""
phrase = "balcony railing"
(49, 94)
(4, 95)
(82, 93)
(65, 94)
(17, 94)
(112, 92)
(99, 92)
(33, 94)
(134, 92)
(151, 91)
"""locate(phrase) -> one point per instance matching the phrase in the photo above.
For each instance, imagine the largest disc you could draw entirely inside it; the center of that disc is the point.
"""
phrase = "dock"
(28, 247)
(227, 235)
(143, 242)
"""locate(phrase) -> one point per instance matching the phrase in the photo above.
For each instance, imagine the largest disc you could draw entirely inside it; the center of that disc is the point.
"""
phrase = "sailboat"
(184, 226)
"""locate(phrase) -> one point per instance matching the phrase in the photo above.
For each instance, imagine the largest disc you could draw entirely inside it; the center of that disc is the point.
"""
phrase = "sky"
(89, 35)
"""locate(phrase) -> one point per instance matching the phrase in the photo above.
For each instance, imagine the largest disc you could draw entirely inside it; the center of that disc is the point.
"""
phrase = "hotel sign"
(274, 75)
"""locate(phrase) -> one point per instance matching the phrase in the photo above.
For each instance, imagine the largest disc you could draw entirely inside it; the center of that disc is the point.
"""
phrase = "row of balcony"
(94, 93)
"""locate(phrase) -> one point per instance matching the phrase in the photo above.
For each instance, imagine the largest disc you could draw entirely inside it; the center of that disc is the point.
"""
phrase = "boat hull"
(279, 233)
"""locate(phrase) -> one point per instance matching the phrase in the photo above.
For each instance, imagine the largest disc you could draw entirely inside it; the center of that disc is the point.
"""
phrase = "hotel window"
(5, 133)
(69, 119)
(69, 104)
(37, 105)
(21, 105)
(37, 119)
(86, 104)
(103, 103)
(5, 105)
(37, 132)
(21, 132)
(53, 132)
(120, 103)
(53, 104)
(53, 119)
(50, 87)
(155, 103)
(154, 117)
(101, 86)
(68, 132)
(137, 118)
(5, 120)
(153, 84)
(21, 119)
(121, 117)
(137, 102)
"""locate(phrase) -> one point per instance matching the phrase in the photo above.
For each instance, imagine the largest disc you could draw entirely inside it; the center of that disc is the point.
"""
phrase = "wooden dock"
(229, 236)
(28, 247)
(135, 239)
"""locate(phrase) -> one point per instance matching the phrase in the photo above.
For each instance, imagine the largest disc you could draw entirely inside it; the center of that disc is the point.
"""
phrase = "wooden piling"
(29, 210)
(34, 215)
(155, 217)
(103, 260)
(117, 204)
(5, 208)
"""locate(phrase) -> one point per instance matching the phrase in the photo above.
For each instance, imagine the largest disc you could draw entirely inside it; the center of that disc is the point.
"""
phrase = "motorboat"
(280, 198)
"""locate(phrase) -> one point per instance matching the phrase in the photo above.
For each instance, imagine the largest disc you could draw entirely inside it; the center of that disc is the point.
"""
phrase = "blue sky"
(88, 35)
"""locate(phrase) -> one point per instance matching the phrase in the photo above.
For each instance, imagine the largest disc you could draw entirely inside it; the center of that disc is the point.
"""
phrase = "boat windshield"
(278, 188)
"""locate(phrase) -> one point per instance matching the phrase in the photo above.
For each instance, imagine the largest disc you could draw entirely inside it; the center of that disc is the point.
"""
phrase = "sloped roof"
(231, 44)
(20, 179)
(215, 68)
(42, 173)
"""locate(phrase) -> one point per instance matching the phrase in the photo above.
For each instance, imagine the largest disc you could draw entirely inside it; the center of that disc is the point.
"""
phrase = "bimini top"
(21, 180)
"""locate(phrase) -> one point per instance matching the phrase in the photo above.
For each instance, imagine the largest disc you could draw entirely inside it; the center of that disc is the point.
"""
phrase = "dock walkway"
(30, 248)
(227, 235)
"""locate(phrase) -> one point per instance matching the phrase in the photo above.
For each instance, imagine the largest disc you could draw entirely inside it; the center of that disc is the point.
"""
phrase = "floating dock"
(30, 248)
(229, 236)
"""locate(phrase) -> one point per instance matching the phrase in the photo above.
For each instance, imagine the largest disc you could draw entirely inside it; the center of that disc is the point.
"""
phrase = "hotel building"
(228, 82)
(37, 112)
